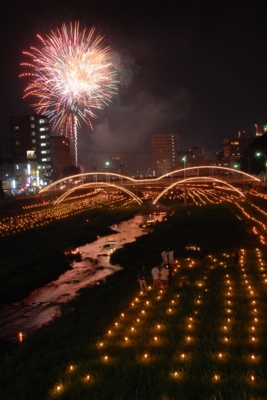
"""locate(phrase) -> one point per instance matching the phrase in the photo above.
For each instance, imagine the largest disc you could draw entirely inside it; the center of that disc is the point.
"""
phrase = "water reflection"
(20, 318)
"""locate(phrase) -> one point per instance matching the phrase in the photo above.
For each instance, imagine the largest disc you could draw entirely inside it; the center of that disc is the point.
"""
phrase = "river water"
(19, 319)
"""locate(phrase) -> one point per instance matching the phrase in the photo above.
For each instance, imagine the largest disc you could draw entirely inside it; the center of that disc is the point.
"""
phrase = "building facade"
(60, 156)
(30, 158)
(234, 148)
(31, 155)
(165, 150)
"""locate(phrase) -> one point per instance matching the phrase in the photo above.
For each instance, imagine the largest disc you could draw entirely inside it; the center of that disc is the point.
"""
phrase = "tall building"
(234, 148)
(5, 164)
(165, 149)
(30, 144)
(60, 155)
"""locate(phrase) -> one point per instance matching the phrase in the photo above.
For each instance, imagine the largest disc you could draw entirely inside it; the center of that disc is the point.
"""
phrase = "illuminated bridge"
(235, 180)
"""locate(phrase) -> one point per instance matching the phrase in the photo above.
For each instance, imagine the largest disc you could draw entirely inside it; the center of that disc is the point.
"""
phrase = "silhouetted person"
(169, 267)
(236, 256)
(141, 277)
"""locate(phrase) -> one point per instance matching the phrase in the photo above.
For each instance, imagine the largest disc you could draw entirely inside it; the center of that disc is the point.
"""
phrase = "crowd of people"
(167, 256)
(162, 275)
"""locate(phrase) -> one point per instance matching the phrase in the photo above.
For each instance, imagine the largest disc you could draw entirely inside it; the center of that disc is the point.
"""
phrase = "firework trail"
(71, 75)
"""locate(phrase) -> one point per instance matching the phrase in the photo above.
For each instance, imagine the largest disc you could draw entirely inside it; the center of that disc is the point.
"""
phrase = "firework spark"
(71, 75)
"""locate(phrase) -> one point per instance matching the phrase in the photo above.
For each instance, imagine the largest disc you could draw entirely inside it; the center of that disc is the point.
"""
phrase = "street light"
(262, 154)
(184, 161)
(185, 194)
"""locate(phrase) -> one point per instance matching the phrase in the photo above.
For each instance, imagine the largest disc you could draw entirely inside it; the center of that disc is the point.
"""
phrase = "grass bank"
(113, 343)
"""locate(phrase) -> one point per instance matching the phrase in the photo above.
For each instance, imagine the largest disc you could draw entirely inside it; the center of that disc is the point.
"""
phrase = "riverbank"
(33, 257)
(92, 266)
(67, 358)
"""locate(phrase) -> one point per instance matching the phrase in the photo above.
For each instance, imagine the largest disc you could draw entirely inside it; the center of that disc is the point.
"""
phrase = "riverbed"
(19, 319)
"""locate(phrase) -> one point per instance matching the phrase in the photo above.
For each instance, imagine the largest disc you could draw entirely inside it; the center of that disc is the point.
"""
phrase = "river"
(19, 319)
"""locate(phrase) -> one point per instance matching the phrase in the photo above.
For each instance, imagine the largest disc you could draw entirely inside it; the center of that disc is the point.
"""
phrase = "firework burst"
(71, 75)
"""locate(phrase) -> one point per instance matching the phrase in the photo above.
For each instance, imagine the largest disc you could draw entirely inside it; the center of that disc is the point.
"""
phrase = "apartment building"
(60, 155)
(165, 150)
(31, 155)
(234, 148)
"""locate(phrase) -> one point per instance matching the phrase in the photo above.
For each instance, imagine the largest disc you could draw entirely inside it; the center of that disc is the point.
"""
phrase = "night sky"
(192, 68)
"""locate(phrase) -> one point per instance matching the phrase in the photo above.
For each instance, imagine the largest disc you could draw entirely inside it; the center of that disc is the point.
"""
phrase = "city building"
(5, 158)
(30, 158)
(234, 148)
(165, 150)
(195, 156)
(30, 147)
(60, 156)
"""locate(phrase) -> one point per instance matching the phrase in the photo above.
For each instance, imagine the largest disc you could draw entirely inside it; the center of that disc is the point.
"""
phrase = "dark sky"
(192, 68)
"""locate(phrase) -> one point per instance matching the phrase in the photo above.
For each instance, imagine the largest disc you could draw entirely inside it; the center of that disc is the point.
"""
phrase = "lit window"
(43, 121)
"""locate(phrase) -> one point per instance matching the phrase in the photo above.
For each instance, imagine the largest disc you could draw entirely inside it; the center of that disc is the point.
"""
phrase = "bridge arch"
(195, 179)
(64, 186)
(78, 179)
(75, 180)
(92, 184)
(213, 168)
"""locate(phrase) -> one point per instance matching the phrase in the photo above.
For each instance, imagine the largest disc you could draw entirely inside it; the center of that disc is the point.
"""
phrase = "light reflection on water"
(43, 304)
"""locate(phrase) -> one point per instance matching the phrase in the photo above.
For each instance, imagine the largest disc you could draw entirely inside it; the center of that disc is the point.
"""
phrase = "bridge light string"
(213, 168)
(77, 181)
(141, 181)
(195, 179)
(100, 184)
